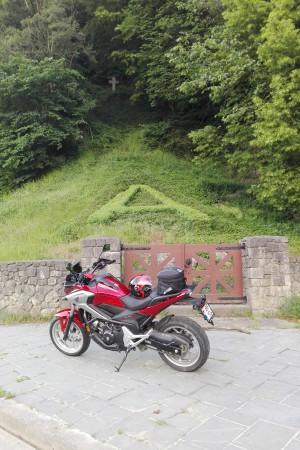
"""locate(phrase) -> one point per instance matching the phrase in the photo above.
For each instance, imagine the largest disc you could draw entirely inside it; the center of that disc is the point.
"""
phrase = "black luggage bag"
(170, 280)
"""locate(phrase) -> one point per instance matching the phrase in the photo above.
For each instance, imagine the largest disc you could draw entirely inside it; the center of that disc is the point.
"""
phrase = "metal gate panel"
(214, 270)
(151, 259)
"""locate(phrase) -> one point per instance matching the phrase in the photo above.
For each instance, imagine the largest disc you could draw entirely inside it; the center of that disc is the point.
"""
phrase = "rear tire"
(78, 339)
(191, 358)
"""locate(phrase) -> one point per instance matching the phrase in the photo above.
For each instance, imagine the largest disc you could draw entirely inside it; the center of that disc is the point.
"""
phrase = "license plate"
(207, 312)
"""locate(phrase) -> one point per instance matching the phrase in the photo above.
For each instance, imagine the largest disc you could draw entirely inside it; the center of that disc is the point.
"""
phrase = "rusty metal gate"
(214, 270)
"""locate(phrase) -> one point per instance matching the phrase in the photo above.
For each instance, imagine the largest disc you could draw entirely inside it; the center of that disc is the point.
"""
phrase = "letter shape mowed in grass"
(124, 204)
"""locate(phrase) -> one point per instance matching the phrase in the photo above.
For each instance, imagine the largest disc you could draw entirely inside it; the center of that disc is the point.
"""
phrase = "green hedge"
(120, 207)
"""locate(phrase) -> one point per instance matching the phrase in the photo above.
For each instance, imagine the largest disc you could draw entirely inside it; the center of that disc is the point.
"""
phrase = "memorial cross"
(113, 83)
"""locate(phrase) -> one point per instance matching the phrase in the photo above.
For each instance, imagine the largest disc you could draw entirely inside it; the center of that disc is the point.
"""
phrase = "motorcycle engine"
(108, 336)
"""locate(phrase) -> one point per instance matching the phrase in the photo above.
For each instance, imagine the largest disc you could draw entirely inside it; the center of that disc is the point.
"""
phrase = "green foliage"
(245, 18)
(6, 394)
(12, 319)
(290, 309)
(46, 29)
(156, 134)
(248, 63)
(222, 189)
(42, 111)
(103, 137)
(276, 131)
(209, 144)
(149, 30)
(61, 202)
(222, 77)
(100, 28)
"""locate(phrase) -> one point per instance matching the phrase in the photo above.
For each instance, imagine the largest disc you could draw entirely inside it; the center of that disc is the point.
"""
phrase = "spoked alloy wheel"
(192, 357)
(78, 339)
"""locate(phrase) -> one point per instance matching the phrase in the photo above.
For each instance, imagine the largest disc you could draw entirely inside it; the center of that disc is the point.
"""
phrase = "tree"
(277, 128)
(102, 18)
(46, 29)
(248, 63)
(220, 60)
(149, 29)
(43, 108)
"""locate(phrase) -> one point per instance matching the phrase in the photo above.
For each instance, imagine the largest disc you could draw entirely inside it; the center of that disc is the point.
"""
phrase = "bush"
(43, 108)
(156, 134)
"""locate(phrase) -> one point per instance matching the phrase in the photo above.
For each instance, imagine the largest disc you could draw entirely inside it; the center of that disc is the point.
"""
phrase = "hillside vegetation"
(48, 218)
(222, 77)
(199, 142)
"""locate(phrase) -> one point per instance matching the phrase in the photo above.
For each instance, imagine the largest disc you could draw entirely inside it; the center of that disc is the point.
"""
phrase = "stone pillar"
(93, 247)
(266, 272)
(295, 274)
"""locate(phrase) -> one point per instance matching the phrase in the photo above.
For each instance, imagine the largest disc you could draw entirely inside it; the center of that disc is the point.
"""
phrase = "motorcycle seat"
(134, 304)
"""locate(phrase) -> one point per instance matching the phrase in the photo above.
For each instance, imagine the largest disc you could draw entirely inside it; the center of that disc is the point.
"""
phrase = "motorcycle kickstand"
(123, 360)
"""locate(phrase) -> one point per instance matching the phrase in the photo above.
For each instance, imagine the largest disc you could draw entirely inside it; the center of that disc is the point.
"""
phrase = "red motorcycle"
(120, 318)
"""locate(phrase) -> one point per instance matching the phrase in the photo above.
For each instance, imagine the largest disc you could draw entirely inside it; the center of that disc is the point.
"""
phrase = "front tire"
(191, 358)
(78, 339)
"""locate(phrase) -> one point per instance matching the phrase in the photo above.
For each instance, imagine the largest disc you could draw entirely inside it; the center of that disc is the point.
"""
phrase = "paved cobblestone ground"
(247, 396)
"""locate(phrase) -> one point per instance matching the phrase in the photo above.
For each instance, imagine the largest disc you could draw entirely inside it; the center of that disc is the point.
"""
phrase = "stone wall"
(266, 272)
(35, 287)
(270, 276)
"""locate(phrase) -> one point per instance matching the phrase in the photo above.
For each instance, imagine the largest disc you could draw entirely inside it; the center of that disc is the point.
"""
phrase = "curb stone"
(41, 431)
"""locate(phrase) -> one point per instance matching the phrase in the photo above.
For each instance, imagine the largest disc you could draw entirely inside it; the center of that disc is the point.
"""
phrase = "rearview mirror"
(106, 247)
(69, 267)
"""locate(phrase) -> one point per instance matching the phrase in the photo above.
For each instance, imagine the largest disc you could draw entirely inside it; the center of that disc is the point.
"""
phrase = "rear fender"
(163, 321)
(64, 315)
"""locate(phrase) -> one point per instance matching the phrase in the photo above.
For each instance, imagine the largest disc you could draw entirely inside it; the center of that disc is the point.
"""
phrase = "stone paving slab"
(247, 396)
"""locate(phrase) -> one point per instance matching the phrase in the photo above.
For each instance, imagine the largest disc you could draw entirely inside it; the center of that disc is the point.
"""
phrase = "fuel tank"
(109, 290)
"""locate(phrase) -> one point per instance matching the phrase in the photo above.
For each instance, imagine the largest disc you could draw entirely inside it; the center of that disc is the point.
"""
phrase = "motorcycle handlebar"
(101, 263)
(106, 262)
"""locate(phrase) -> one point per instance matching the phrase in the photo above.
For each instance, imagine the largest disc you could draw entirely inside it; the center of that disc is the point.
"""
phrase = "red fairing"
(64, 316)
(156, 309)
(109, 293)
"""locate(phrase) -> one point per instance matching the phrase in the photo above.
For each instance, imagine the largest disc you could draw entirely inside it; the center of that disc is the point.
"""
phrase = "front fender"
(64, 315)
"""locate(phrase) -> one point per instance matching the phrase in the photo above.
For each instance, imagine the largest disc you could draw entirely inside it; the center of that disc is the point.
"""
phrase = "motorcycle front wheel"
(192, 357)
(78, 339)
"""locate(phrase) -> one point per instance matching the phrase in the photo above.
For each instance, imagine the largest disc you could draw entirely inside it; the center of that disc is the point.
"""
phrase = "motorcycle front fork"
(69, 323)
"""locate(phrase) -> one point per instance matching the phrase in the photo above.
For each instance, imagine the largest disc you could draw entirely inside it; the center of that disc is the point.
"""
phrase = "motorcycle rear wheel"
(78, 339)
(191, 358)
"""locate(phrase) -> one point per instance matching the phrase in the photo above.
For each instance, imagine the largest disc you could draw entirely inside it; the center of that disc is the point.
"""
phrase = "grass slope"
(48, 218)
